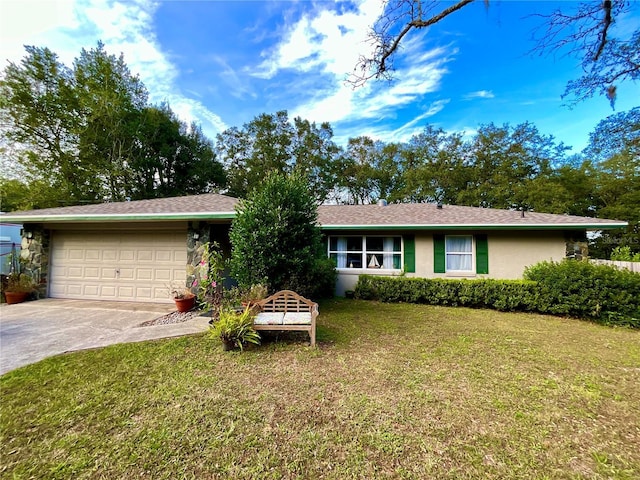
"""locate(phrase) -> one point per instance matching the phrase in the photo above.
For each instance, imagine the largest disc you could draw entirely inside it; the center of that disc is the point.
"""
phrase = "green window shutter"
(409, 253)
(482, 254)
(438, 254)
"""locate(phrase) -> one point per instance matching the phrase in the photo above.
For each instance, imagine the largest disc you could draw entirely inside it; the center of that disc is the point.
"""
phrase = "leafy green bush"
(580, 289)
(624, 254)
(276, 240)
(505, 295)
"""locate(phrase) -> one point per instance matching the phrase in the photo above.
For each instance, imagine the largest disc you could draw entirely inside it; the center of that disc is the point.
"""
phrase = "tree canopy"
(271, 143)
(86, 134)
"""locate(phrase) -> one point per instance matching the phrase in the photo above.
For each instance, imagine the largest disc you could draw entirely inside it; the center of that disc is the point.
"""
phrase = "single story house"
(133, 251)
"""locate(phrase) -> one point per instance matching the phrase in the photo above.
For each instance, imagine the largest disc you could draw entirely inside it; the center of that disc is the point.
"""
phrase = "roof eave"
(117, 217)
(501, 226)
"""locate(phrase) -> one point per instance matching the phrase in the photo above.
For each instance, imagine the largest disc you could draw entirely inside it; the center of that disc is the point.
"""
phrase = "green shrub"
(505, 295)
(276, 240)
(624, 254)
(582, 289)
(323, 278)
(579, 289)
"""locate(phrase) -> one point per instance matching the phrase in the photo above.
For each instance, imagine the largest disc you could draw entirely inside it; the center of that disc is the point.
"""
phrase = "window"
(459, 253)
(372, 252)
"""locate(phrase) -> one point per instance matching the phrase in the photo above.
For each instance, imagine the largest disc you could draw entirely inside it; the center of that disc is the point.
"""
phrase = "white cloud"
(327, 45)
(235, 85)
(20, 25)
(468, 133)
(67, 26)
(379, 100)
(401, 134)
(328, 41)
(479, 94)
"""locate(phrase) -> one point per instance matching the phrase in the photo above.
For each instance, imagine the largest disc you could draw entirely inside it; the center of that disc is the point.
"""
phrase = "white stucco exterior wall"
(511, 252)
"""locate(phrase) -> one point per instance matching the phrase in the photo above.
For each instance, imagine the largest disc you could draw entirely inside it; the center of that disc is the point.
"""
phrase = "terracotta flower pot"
(15, 297)
(185, 304)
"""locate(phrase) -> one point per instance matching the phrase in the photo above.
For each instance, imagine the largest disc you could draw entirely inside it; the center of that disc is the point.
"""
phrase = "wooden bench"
(286, 310)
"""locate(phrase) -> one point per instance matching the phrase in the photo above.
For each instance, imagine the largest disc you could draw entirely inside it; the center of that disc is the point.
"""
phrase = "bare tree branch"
(583, 30)
(606, 5)
(585, 33)
(410, 14)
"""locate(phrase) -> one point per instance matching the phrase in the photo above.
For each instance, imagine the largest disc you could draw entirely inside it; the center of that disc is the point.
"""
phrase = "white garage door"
(121, 266)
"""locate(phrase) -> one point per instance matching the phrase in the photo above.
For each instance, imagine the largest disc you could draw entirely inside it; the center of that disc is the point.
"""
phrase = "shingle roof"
(429, 216)
(331, 217)
(208, 205)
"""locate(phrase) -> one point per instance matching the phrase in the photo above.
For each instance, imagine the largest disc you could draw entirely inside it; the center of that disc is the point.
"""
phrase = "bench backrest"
(287, 301)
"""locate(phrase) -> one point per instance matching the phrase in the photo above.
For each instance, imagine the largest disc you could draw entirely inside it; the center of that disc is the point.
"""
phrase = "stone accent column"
(35, 255)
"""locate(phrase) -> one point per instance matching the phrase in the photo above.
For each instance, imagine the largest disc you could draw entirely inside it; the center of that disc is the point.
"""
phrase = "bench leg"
(312, 336)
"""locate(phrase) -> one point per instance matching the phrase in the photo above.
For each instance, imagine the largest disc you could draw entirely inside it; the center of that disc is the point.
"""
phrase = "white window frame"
(471, 254)
(365, 253)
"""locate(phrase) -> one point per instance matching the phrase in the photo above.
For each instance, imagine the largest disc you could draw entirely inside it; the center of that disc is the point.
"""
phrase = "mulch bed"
(173, 317)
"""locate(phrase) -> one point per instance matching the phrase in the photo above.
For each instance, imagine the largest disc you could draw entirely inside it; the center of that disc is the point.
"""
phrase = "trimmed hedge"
(596, 292)
(581, 289)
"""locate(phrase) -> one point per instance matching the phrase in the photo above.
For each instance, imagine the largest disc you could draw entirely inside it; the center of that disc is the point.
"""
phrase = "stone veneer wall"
(35, 255)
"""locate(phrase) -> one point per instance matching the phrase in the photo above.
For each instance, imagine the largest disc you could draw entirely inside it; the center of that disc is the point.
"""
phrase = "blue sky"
(221, 63)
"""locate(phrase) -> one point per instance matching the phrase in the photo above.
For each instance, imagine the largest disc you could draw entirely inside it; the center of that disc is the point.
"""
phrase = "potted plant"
(184, 299)
(235, 329)
(19, 287)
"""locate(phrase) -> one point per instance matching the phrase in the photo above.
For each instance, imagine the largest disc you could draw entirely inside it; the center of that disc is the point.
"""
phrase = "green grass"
(393, 391)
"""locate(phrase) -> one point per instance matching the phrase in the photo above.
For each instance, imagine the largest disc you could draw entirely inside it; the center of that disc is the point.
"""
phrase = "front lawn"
(393, 391)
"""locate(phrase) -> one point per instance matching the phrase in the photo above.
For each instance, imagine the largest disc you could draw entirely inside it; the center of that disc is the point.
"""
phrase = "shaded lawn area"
(393, 391)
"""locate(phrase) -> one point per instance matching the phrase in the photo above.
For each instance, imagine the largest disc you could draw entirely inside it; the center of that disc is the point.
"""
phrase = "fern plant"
(235, 329)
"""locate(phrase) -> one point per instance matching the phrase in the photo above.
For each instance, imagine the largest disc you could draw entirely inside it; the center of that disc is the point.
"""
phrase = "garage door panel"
(92, 255)
(177, 276)
(91, 272)
(145, 256)
(144, 274)
(164, 256)
(159, 292)
(127, 255)
(144, 293)
(76, 254)
(108, 273)
(91, 290)
(126, 266)
(127, 274)
(75, 272)
(59, 254)
(108, 292)
(126, 291)
(163, 275)
(109, 255)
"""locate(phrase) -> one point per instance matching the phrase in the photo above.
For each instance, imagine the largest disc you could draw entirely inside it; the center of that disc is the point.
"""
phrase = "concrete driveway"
(31, 331)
